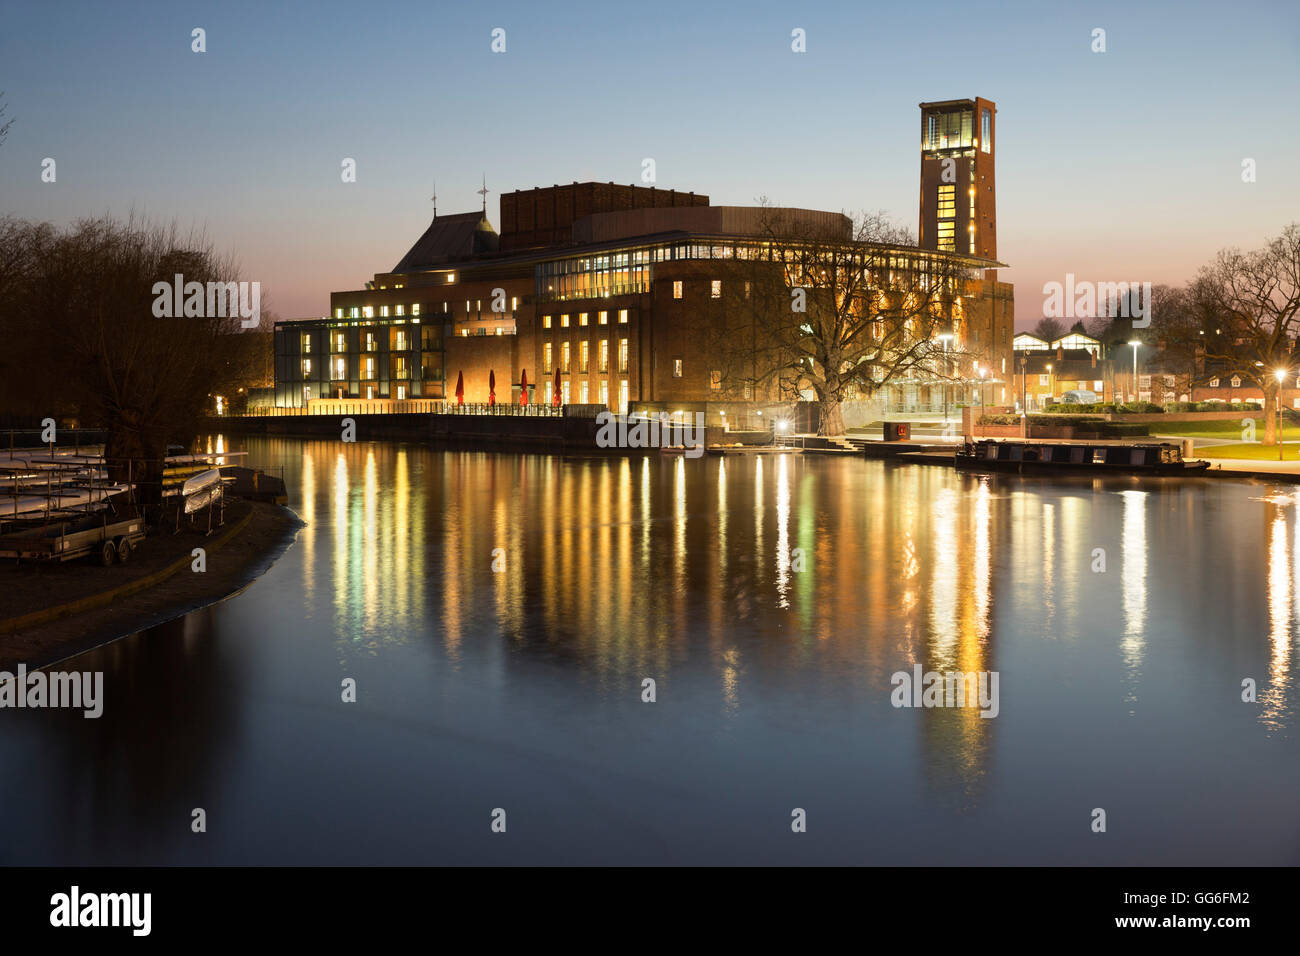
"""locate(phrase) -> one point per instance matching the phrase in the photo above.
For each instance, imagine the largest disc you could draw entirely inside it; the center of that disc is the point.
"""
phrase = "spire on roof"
(484, 193)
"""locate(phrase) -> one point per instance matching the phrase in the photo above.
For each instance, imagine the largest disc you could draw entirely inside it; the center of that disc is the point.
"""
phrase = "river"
(501, 613)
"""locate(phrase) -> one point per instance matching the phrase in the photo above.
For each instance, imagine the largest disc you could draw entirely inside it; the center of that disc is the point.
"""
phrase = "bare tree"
(840, 308)
(1048, 329)
(81, 335)
(1252, 300)
(4, 127)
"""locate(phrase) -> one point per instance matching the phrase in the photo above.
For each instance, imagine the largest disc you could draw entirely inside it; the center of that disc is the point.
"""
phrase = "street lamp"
(1280, 374)
(1135, 343)
(1051, 386)
(945, 338)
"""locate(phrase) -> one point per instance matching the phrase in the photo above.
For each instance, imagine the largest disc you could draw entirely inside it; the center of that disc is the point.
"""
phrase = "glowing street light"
(1280, 374)
(1135, 343)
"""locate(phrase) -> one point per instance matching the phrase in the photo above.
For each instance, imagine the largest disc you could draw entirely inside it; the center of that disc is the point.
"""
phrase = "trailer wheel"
(123, 550)
(107, 554)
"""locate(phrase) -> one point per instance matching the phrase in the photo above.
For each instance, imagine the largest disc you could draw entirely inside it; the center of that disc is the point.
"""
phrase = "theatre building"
(606, 290)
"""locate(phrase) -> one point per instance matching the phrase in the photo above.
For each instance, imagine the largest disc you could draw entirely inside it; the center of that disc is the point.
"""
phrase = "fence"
(405, 407)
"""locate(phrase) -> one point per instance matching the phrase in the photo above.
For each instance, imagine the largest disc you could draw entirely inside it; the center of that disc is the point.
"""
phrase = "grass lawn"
(1229, 428)
(1249, 450)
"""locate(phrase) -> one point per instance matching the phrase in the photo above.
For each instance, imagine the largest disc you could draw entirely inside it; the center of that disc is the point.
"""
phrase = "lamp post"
(982, 372)
(1051, 386)
(1280, 375)
(945, 338)
(1135, 343)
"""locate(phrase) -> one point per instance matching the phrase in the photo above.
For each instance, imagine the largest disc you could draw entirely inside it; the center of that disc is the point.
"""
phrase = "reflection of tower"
(958, 190)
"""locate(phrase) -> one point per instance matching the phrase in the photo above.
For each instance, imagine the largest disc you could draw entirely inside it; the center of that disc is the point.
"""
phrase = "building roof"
(450, 238)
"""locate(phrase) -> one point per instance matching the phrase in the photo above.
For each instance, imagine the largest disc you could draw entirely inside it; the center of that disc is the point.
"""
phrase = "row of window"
(368, 311)
(602, 318)
(715, 289)
(399, 339)
(602, 361)
(400, 368)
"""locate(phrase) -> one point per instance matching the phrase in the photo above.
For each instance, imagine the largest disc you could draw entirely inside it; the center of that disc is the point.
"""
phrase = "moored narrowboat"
(1030, 457)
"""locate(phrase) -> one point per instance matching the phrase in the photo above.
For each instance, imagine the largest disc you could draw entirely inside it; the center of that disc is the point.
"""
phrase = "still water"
(770, 599)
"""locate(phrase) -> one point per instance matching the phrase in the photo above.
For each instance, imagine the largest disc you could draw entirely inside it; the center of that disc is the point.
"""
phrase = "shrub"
(1142, 408)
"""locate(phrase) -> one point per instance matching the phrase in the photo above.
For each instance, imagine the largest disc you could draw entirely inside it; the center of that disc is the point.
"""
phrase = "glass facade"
(367, 359)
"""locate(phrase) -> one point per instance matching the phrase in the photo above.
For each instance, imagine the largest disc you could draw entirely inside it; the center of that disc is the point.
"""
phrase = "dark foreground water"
(521, 688)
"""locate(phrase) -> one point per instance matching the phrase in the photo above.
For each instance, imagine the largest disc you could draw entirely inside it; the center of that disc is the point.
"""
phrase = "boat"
(1029, 457)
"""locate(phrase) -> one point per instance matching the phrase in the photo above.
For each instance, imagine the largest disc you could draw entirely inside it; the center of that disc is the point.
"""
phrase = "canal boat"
(1030, 457)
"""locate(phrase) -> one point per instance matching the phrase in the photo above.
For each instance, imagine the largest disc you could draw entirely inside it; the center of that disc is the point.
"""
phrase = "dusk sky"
(1117, 166)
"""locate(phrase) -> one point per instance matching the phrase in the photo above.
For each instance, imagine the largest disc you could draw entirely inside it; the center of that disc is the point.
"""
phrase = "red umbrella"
(555, 393)
(523, 387)
(492, 387)
(460, 388)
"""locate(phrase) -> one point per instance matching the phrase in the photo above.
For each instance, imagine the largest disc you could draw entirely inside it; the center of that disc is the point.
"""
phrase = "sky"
(1117, 166)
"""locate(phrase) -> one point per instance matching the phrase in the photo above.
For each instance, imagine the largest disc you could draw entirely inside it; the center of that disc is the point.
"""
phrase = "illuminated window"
(399, 310)
(368, 368)
(415, 308)
(368, 312)
(564, 392)
(354, 312)
(338, 313)
(1214, 383)
(986, 131)
(371, 342)
(603, 365)
(340, 342)
(582, 393)
(622, 355)
(564, 357)
(604, 318)
(514, 302)
(946, 235)
(401, 367)
(564, 321)
(306, 343)
(546, 321)
(582, 318)
(946, 207)
(677, 368)
(715, 379)
(622, 316)
(622, 397)
(677, 289)
(604, 394)
(715, 289)
(546, 357)
(383, 311)
(1236, 381)
(306, 368)
(582, 357)
(339, 368)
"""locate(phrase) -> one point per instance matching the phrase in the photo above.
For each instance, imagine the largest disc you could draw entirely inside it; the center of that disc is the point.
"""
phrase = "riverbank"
(51, 612)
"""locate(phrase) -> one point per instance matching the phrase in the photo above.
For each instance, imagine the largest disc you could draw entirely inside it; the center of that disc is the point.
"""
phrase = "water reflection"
(501, 612)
